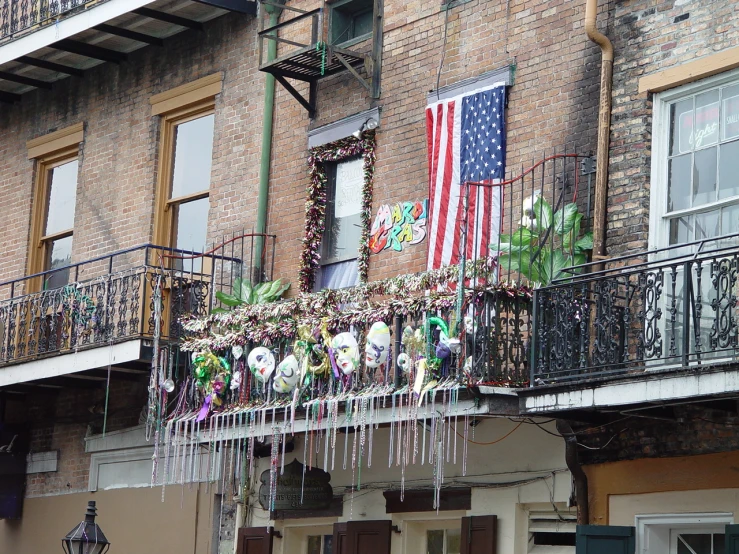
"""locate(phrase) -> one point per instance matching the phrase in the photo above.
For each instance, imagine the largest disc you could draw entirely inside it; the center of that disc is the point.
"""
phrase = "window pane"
(343, 221)
(730, 115)
(328, 544)
(363, 23)
(60, 255)
(681, 230)
(339, 275)
(706, 119)
(706, 225)
(314, 544)
(681, 126)
(719, 542)
(62, 195)
(704, 176)
(435, 542)
(679, 183)
(729, 170)
(191, 228)
(730, 220)
(694, 544)
(453, 537)
(193, 156)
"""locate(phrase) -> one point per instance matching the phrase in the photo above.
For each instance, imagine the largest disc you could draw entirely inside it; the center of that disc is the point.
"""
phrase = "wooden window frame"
(165, 206)
(174, 107)
(39, 241)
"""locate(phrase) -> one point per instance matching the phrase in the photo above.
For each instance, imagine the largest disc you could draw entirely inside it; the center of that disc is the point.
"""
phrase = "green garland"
(338, 309)
(315, 206)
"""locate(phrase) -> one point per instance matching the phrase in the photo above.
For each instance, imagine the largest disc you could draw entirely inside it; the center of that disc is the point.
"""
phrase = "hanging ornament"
(168, 385)
(212, 375)
(287, 375)
(261, 363)
(404, 362)
(237, 351)
(377, 345)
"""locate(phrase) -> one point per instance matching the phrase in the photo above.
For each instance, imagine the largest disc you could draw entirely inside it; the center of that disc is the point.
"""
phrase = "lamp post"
(87, 537)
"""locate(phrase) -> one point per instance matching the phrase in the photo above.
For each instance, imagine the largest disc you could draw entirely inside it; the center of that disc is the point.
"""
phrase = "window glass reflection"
(62, 197)
(193, 156)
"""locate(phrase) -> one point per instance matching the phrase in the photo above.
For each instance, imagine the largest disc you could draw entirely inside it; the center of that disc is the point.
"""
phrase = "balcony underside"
(37, 49)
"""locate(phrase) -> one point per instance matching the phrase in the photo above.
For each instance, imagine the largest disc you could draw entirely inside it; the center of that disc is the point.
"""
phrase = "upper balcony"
(114, 311)
(42, 41)
(639, 331)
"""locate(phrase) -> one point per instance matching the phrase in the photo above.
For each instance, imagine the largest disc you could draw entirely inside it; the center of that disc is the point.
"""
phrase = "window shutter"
(732, 539)
(479, 535)
(339, 545)
(605, 539)
(368, 537)
(255, 540)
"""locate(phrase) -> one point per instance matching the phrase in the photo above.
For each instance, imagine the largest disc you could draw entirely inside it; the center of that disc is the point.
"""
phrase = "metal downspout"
(573, 464)
(604, 128)
(264, 165)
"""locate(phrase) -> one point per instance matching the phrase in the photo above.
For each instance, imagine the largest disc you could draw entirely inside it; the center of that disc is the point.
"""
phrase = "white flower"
(528, 206)
(528, 222)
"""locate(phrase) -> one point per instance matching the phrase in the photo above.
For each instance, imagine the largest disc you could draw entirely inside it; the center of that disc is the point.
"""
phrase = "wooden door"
(362, 537)
(254, 540)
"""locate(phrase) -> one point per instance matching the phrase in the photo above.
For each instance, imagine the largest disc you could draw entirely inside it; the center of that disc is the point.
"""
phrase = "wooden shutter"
(732, 539)
(605, 539)
(339, 544)
(362, 537)
(254, 540)
(479, 535)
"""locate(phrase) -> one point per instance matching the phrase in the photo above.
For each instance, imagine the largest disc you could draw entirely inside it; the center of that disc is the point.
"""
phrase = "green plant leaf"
(568, 239)
(228, 299)
(551, 265)
(509, 263)
(237, 288)
(585, 243)
(219, 311)
(246, 291)
(564, 219)
(543, 214)
(285, 286)
(523, 237)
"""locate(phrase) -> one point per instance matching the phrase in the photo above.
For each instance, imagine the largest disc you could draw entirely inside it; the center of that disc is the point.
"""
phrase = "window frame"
(39, 249)
(337, 6)
(165, 207)
(653, 530)
(659, 226)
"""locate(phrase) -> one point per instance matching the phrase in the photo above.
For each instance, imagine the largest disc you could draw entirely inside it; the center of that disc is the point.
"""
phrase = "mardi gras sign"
(399, 224)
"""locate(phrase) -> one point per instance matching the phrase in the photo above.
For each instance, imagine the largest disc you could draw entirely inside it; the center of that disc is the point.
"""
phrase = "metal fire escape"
(316, 57)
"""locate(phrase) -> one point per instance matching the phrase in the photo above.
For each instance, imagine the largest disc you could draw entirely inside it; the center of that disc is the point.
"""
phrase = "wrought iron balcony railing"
(135, 293)
(20, 16)
(674, 308)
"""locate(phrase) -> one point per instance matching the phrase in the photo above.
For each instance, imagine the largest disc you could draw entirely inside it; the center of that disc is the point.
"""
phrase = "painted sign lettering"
(399, 224)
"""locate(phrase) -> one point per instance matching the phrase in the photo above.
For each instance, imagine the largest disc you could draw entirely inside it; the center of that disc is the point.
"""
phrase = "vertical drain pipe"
(579, 476)
(266, 155)
(604, 129)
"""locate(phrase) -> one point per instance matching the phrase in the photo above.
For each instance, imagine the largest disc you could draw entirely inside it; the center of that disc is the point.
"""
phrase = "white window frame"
(658, 224)
(653, 530)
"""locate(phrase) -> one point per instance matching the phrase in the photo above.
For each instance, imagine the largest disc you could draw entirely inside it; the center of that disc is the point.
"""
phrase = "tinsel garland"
(277, 322)
(315, 206)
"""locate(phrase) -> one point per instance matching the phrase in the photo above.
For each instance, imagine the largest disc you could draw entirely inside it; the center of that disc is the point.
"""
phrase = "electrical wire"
(508, 434)
(443, 46)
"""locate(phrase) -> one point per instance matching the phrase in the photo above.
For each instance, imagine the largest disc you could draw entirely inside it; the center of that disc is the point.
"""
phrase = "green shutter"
(732, 539)
(606, 539)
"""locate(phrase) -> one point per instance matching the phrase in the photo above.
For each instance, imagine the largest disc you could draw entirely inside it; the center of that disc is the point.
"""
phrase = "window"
(552, 531)
(682, 533)
(320, 544)
(350, 21)
(343, 227)
(443, 541)
(55, 195)
(695, 172)
(186, 154)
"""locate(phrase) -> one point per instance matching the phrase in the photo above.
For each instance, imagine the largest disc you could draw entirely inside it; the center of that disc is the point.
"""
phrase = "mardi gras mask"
(378, 345)
(451, 344)
(346, 352)
(287, 376)
(261, 363)
(404, 362)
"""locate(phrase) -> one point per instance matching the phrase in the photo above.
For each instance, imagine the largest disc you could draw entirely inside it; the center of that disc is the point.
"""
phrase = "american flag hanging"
(466, 142)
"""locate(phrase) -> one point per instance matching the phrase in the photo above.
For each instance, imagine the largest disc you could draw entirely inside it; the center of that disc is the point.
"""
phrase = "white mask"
(346, 352)
(378, 345)
(261, 363)
(287, 376)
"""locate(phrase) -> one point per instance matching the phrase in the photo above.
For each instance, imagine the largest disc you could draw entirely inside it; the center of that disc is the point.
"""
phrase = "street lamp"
(87, 537)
